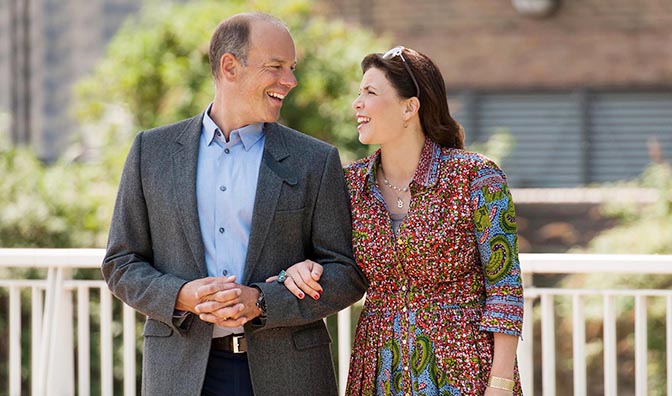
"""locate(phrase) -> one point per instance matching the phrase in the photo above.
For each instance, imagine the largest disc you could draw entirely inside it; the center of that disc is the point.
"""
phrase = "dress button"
(405, 368)
(221, 230)
(403, 341)
(403, 288)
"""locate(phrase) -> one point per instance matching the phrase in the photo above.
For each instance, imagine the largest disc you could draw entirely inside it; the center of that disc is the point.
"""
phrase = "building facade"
(45, 47)
(585, 91)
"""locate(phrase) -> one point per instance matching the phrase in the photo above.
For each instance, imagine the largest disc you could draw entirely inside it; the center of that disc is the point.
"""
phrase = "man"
(210, 207)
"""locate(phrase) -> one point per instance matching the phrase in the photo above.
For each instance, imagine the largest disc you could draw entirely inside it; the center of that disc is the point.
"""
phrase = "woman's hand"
(302, 279)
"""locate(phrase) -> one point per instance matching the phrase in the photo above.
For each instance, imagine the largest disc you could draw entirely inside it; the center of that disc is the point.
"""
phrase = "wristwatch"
(261, 304)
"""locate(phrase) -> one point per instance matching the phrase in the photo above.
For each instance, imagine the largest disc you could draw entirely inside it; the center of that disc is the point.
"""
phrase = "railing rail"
(52, 316)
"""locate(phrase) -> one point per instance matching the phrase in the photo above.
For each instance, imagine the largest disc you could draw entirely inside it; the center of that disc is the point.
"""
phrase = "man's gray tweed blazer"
(301, 211)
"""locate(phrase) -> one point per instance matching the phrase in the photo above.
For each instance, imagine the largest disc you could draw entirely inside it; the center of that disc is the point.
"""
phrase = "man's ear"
(228, 67)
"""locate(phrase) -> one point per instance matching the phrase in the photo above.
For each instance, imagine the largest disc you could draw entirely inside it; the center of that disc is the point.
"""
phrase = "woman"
(434, 231)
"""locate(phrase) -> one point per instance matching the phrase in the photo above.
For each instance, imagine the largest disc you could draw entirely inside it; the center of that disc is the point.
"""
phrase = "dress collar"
(427, 172)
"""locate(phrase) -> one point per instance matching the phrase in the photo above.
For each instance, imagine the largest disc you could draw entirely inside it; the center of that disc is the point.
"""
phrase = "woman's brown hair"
(435, 118)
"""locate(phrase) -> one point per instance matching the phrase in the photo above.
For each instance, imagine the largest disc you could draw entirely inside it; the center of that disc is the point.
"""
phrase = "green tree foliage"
(645, 229)
(66, 204)
(498, 146)
(157, 68)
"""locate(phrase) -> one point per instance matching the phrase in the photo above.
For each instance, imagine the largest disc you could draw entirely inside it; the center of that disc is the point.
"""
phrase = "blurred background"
(573, 98)
(569, 96)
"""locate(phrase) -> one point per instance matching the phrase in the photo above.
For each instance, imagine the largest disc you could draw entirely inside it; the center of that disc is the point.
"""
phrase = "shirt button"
(405, 368)
(226, 150)
(225, 272)
(403, 288)
(222, 188)
(404, 309)
(221, 230)
(219, 133)
(403, 341)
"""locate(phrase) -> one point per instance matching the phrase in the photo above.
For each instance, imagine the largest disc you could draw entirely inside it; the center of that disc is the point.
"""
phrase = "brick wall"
(487, 44)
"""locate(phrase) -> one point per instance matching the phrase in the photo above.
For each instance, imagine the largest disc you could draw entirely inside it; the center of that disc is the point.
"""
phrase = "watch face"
(261, 303)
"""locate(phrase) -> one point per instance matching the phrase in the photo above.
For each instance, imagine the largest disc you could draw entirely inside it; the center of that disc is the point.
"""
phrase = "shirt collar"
(427, 172)
(249, 134)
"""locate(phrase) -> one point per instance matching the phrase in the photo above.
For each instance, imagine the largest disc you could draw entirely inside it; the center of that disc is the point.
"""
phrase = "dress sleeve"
(495, 229)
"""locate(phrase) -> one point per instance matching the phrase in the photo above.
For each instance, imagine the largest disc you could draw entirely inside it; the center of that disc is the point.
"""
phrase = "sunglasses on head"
(398, 51)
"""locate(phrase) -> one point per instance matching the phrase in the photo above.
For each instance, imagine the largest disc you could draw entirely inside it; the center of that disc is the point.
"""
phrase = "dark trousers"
(228, 374)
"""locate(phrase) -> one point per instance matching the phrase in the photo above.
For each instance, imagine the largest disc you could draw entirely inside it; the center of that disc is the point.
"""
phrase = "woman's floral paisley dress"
(442, 285)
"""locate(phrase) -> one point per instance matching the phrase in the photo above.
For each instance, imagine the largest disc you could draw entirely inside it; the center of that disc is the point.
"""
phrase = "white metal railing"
(51, 325)
(52, 318)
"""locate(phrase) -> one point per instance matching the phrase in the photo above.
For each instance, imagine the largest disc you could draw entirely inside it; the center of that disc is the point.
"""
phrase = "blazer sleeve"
(127, 265)
(331, 246)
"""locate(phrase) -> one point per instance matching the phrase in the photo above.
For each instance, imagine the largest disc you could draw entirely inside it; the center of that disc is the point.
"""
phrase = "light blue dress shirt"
(226, 184)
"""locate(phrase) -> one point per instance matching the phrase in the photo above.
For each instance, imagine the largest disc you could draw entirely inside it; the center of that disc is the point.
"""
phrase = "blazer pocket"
(289, 224)
(311, 337)
(289, 211)
(154, 328)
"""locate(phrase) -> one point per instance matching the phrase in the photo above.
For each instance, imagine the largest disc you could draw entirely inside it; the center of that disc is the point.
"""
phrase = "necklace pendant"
(400, 203)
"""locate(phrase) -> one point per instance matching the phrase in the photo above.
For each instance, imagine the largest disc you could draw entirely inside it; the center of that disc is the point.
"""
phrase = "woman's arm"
(503, 361)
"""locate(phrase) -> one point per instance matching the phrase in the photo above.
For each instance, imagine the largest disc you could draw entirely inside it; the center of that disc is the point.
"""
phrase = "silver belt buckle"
(236, 343)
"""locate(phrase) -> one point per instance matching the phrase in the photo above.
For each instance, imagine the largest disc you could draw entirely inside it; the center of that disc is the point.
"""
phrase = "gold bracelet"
(501, 383)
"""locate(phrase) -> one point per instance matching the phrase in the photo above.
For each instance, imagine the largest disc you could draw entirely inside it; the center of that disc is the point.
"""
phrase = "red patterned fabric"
(442, 285)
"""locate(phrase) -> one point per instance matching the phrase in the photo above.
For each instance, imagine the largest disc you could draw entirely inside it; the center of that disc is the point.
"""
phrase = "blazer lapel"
(185, 163)
(273, 172)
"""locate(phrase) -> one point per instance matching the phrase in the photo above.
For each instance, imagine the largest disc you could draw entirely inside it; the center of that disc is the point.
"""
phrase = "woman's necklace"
(399, 190)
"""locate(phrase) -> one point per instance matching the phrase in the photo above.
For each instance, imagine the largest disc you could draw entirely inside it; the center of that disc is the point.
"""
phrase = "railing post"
(640, 346)
(54, 280)
(61, 373)
(525, 353)
(106, 357)
(36, 306)
(547, 345)
(668, 341)
(83, 342)
(579, 346)
(609, 345)
(14, 341)
(344, 347)
(129, 351)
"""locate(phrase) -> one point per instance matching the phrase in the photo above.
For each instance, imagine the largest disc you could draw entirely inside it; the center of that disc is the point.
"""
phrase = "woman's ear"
(412, 108)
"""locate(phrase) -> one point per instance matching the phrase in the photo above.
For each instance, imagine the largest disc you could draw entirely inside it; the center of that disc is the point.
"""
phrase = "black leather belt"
(234, 343)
